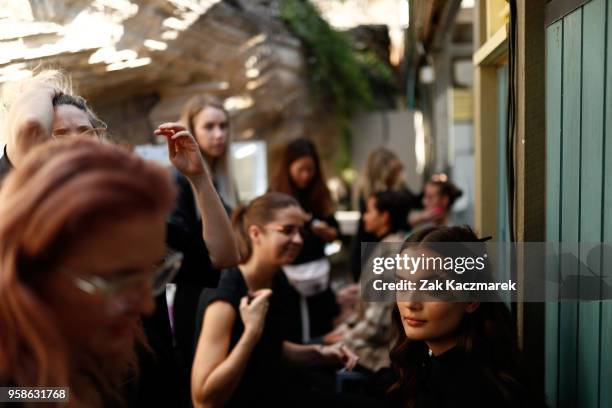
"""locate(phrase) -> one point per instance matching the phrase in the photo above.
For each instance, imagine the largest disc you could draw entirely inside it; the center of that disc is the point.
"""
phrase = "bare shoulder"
(219, 318)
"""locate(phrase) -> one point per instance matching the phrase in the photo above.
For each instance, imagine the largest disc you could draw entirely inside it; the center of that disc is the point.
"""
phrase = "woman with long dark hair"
(457, 354)
(299, 175)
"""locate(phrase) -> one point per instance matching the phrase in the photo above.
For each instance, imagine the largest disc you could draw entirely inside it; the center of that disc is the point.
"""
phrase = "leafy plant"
(340, 76)
(335, 74)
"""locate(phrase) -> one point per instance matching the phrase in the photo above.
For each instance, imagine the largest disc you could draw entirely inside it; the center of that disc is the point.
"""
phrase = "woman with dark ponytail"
(457, 354)
(439, 196)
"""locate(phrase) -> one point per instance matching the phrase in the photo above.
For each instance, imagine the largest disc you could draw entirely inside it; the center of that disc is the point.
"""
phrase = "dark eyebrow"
(120, 273)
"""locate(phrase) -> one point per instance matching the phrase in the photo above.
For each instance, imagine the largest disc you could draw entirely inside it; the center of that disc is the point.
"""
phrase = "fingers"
(171, 148)
(171, 126)
(260, 296)
(182, 133)
(244, 302)
(170, 129)
(348, 358)
(334, 354)
(177, 140)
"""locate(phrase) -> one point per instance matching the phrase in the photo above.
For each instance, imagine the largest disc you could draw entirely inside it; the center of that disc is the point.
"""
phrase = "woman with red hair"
(82, 251)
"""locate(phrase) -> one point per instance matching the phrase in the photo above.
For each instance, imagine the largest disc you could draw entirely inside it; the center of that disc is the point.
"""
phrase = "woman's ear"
(387, 217)
(472, 306)
(254, 234)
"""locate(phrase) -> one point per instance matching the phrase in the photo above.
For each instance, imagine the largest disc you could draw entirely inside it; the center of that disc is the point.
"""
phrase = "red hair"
(60, 192)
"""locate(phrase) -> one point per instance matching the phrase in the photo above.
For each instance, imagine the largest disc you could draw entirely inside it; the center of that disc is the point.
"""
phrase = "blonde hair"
(376, 172)
(54, 78)
(222, 171)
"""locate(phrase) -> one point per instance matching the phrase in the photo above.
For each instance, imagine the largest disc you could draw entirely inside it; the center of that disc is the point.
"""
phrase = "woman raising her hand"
(207, 243)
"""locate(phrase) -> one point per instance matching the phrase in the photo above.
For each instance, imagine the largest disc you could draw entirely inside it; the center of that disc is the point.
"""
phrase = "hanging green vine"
(335, 74)
(340, 76)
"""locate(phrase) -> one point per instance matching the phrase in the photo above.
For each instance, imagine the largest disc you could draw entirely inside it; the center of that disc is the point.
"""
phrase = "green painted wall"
(579, 197)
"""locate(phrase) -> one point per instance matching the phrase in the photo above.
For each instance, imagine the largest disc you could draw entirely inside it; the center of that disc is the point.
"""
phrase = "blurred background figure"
(382, 172)
(82, 251)
(368, 331)
(40, 108)
(438, 198)
(299, 175)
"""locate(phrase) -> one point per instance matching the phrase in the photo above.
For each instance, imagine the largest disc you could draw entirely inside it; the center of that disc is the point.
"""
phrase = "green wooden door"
(503, 226)
(579, 196)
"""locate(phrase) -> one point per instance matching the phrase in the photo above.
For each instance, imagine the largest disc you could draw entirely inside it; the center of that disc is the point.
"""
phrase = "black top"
(363, 236)
(5, 166)
(262, 377)
(185, 235)
(455, 379)
(452, 379)
(314, 246)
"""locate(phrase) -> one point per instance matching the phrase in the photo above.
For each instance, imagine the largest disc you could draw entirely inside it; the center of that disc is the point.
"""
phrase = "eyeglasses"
(100, 133)
(157, 279)
(289, 229)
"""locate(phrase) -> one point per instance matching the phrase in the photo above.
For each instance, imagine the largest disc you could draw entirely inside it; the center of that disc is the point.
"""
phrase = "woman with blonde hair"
(208, 120)
(40, 108)
(382, 172)
(82, 252)
(205, 118)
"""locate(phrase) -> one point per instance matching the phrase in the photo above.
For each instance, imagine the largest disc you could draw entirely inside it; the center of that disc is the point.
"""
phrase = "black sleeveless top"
(263, 374)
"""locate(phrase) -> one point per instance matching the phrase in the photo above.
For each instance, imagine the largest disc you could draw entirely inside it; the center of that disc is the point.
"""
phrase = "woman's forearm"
(216, 227)
(220, 385)
(302, 354)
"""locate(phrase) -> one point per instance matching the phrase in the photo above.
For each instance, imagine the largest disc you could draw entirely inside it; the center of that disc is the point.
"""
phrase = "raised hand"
(183, 150)
(30, 119)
